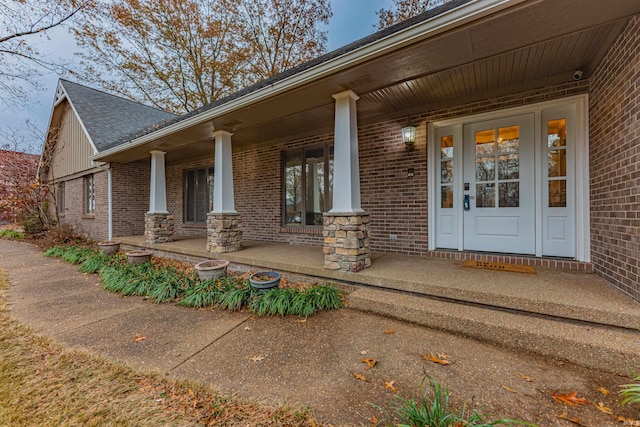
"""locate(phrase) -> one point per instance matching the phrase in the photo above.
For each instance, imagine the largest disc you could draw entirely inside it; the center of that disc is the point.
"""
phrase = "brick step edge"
(602, 348)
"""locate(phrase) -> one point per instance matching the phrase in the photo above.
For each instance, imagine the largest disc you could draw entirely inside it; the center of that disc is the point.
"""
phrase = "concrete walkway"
(308, 362)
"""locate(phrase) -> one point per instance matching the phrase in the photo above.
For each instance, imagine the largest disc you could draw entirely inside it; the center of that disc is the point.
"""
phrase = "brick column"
(346, 241)
(158, 228)
(224, 232)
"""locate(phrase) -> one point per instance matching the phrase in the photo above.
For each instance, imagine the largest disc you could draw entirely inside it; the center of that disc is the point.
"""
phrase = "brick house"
(482, 126)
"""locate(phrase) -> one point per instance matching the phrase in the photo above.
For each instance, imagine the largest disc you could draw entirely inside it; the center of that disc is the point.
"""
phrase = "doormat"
(500, 266)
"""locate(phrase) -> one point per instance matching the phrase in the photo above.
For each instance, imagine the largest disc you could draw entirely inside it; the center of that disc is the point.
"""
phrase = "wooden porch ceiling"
(532, 44)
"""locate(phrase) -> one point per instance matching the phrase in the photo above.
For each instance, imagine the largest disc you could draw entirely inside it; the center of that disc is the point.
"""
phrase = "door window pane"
(446, 196)
(557, 133)
(446, 147)
(485, 195)
(509, 166)
(446, 172)
(558, 194)
(557, 163)
(485, 142)
(485, 168)
(314, 170)
(509, 139)
(509, 193)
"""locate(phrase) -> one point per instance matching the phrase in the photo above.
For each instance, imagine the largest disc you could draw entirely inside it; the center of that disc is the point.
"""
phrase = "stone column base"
(346, 241)
(158, 228)
(224, 232)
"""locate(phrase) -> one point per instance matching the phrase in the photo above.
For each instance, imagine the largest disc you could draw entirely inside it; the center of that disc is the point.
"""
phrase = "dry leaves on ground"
(257, 358)
(527, 378)
(603, 391)
(600, 407)
(573, 420)
(570, 399)
(139, 337)
(509, 389)
(441, 359)
(359, 376)
(390, 385)
(370, 363)
(389, 331)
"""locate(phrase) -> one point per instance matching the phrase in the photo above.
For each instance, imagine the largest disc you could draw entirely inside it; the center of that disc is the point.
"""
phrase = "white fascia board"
(420, 31)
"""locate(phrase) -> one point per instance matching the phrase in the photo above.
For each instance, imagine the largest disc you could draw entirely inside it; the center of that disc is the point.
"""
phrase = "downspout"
(107, 167)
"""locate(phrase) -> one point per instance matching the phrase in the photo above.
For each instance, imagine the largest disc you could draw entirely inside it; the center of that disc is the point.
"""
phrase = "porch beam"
(158, 190)
(223, 196)
(346, 172)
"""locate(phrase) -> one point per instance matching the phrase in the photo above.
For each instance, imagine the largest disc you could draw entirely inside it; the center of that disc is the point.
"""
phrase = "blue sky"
(352, 20)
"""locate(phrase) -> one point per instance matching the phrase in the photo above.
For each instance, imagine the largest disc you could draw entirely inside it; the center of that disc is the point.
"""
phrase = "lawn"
(45, 384)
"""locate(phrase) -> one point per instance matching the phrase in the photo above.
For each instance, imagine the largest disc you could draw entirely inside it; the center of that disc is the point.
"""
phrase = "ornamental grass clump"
(631, 392)
(95, 262)
(11, 234)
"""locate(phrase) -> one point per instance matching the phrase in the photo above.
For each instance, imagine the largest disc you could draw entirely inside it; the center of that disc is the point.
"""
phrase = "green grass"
(432, 410)
(11, 234)
(164, 284)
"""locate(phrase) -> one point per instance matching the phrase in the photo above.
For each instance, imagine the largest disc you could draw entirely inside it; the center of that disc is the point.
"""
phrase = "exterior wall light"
(409, 137)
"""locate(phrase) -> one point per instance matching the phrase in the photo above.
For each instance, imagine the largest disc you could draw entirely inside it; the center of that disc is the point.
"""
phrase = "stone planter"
(109, 247)
(138, 256)
(211, 269)
(265, 280)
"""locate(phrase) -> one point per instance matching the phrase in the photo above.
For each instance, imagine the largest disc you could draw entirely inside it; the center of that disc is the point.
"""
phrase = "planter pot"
(138, 256)
(265, 280)
(211, 269)
(109, 247)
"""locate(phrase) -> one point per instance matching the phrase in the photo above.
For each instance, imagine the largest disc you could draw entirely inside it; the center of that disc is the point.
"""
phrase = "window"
(198, 195)
(60, 198)
(308, 180)
(89, 195)
(557, 162)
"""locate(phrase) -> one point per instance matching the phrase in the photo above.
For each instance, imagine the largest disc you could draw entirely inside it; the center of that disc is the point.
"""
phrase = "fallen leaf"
(570, 399)
(444, 356)
(246, 328)
(252, 318)
(603, 390)
(389, 331)
(374, 420)
(360, 377)
(363, 352)
(434, 359)
(628, 421)
(600, 407)
(370, 363)
(257, 358)
(509, 389)
(301, 321)
(139, 337)
(191, 393)
(574, 420)
(390, 385)
(527, 378)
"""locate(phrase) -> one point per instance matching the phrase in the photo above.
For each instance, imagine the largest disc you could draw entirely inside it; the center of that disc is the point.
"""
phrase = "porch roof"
(461, 52)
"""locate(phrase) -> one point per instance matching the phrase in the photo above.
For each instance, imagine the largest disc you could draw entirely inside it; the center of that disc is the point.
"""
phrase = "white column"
(223, 198)
(158, 191)
(346, 169)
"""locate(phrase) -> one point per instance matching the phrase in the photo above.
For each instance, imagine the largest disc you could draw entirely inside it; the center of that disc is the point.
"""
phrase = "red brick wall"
(95, 225)
(615, 162)
(130, 191)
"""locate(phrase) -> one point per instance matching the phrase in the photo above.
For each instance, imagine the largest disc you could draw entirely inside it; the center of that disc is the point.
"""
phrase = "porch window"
(198, 195)
(308, 179)
(557, 162)
(89, 195)
(60, 198)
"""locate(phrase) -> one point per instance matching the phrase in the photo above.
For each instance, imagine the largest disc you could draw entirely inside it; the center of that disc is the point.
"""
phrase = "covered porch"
(550, 293)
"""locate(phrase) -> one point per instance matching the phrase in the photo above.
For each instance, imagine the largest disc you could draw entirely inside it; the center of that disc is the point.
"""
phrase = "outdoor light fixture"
(409, 137)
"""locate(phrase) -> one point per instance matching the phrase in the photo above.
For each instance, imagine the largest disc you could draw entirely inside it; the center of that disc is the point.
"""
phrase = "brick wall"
(95, 225)
(130, 191)
(615, 162)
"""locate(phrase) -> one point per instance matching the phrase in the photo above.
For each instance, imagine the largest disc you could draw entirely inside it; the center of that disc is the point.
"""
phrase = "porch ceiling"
(532, 44)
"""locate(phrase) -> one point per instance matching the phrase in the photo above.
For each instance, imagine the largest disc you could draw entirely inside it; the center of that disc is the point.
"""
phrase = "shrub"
(11, 234)
(63, 234)
(631, 392)
(435, 412)
(32, 224)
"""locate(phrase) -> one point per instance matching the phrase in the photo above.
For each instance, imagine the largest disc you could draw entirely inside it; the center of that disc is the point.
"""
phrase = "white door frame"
(582, 223)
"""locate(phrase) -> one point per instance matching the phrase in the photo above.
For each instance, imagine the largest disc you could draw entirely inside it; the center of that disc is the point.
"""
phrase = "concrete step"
(602, 347)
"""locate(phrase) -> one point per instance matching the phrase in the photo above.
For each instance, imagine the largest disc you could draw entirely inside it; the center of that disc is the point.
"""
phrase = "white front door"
(499, 185)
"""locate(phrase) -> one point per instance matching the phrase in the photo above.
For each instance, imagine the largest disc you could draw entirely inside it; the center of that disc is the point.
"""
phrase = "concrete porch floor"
(554, 294)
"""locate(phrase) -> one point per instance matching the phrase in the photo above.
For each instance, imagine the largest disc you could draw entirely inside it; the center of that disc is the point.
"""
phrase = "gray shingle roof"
(108, 118)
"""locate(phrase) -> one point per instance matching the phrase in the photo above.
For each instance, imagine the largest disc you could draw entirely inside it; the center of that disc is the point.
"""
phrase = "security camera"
(577, 75)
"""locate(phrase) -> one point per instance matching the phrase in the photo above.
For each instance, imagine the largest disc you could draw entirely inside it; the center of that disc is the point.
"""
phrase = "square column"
(346, 241)
(224, 224)
(158, 222)
(346, 226)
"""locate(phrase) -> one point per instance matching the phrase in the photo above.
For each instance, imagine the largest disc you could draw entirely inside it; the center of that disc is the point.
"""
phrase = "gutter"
(421, 31)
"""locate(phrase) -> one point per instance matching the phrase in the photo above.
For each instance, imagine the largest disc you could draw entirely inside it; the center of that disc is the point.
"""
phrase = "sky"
(352, 20)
